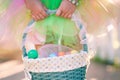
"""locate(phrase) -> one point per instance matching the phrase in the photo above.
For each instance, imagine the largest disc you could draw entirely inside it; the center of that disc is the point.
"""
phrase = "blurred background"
(105, 65)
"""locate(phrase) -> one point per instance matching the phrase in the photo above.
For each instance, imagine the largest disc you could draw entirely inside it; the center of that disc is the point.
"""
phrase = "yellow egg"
(74, 51)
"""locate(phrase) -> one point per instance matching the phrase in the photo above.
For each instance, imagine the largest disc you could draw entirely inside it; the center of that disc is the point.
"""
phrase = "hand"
(66, 9)
(38, 11)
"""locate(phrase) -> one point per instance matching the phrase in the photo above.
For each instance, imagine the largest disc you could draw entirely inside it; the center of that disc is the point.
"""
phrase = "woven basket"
(67, 67)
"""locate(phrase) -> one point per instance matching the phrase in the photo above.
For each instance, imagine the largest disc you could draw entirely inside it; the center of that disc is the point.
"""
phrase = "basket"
(67, 67)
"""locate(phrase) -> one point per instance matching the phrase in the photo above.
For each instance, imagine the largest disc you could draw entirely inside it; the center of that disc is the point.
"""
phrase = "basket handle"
(74, 18)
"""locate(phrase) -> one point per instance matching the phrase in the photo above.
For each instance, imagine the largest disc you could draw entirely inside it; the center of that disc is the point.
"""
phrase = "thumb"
(45, 8)
(58, 12)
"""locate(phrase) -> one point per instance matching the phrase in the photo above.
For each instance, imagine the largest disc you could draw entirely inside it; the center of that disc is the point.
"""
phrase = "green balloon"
(33, 54)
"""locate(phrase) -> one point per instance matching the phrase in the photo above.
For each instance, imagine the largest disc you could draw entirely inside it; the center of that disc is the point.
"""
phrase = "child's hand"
(37, 9)
(66, 9)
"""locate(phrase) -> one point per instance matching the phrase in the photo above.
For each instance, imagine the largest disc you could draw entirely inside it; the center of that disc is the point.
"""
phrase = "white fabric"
(57, 64)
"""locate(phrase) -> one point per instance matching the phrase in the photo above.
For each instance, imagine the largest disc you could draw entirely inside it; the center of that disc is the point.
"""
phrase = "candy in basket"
(55, 49)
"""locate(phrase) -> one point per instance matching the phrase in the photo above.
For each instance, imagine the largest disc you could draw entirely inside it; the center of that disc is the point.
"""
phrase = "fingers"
(45, 8)
(70, 16)
(43, 13)
(58, 13)
(66, 9)
(61, 12)
(38, 11)
(65, 14)
(34, 17)
(39, 15)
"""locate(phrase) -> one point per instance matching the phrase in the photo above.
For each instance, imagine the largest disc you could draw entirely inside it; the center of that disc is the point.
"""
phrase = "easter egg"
(33, 54)
(61, 54)
(53, 55)
(73, 51)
